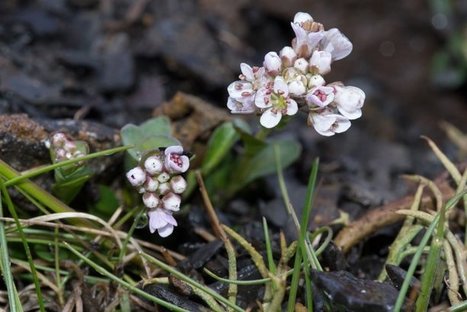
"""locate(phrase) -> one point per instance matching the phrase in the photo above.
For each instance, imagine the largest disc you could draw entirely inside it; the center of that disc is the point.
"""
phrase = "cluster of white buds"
(63, 147)
(158, 178)
(293, 80)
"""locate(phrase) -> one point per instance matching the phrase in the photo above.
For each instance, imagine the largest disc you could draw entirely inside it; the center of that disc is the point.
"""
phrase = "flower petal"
(292, 107)
(165, 230)
(240, 89)
(337, 44)
(263, 98)
(247, 71)
(280, 86)
(269, 119)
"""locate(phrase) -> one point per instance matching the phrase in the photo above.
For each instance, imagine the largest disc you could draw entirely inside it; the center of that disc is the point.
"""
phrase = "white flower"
(315, 81)
(175, 161)
(302, 65)
(276, 102)
(59, 139)
(241, 90)
(153, 165)
(328, 124)
(337, 44)
(272, 63)
(288, 56)
(136, 176)
(162, 221)
(150, 200)
(247, 106)
(320, 62)
(171, 201)
(320, 96)
(178, 184)
(349, 101)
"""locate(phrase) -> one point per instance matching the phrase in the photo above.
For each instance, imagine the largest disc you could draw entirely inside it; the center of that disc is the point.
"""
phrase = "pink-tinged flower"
(163, 177)
(136, 176)
(336, 43)
(175, 161)
(288, 56)
(349, 101)
(153, 165)
(320, 62)
(150, 200)
(307, 34)
(241, 90)
(320, 96)
(162, 221)
(275, 102)
(328, 124)
(171, 201)
(272, 63)
(178, 184)
(247, 106)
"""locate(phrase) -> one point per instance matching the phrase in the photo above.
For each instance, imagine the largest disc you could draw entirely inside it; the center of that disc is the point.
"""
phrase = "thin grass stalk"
(459, 307)
(453, 289)
(294, 282)
(123, 283)
(61, 300)
(413, 264)
(19, 227)
(191, 281)
(267, 241)
(44, 169)
(13, 297)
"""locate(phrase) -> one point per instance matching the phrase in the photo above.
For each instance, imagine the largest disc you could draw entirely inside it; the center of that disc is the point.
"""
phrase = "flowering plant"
(293, 80)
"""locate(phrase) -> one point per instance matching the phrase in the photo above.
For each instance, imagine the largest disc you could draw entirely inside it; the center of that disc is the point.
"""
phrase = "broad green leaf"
(152, 134)
(220, 143)
(263, 163)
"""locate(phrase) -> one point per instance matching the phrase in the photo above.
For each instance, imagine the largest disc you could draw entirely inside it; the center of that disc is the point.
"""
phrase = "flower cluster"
(293, 80)
(158, 178)
(63, 148)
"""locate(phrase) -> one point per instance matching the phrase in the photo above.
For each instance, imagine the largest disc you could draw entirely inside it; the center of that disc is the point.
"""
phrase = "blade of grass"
(13, 297)
(267, 240)
(301, 239)
(191, 282)
(19, 227)
(45, 169)
(123, 283)
(416, 258)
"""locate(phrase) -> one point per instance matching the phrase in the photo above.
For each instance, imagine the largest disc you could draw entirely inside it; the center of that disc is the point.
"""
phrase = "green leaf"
(152, 134)
(263, 162)
(220, 143)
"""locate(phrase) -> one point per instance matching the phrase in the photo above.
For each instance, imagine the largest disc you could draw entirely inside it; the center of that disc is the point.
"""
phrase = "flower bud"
(151, 184)
(164, 188)
(136, 176)
(320, 62)
(315, 81)
(288, 56)
(272, 63)
(163, 177)
(302, 17)
(296, 88)
(302, 65)
(153, 165)
(150, 200)
(178, 184)
(171, 201)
